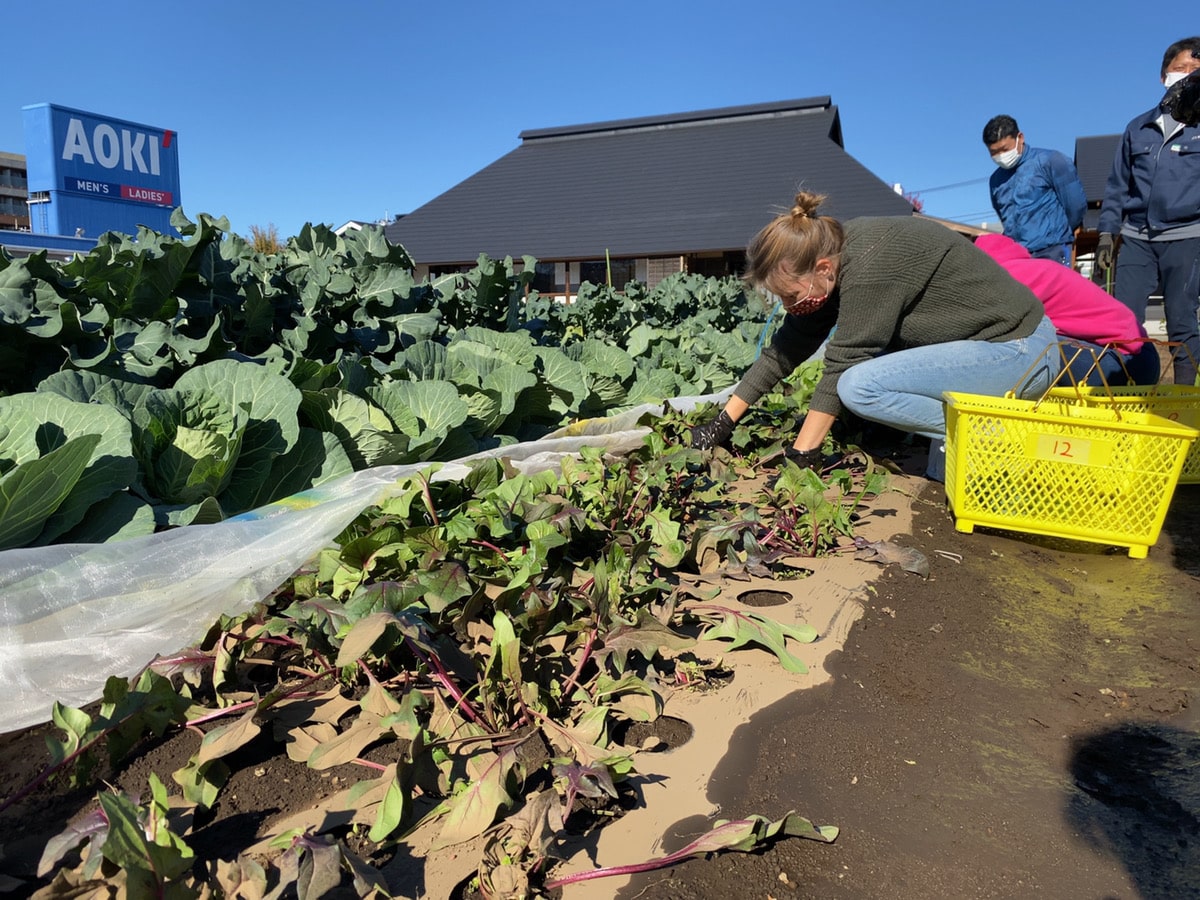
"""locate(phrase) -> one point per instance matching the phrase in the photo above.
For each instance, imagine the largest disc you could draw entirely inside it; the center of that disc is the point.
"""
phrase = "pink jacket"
(1077, 307)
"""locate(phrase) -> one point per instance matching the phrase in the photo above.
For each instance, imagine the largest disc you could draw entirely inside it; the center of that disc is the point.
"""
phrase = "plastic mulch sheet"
(72, 615)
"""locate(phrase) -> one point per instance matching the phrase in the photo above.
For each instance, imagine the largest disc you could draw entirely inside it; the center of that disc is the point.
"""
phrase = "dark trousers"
(1096, 366)
(1060, 253)
(1141, 267)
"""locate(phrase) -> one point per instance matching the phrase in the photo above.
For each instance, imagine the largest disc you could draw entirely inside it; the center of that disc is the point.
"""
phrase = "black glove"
(1182, 100)
(806, 459)
(714, 433)
(1104, 252)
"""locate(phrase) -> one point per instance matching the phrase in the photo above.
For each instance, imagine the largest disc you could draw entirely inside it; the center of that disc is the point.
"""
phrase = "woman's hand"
(714, 433)
(806, 459)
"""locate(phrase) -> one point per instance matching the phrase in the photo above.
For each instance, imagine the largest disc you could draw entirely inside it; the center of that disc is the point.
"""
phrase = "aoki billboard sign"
(87, 158)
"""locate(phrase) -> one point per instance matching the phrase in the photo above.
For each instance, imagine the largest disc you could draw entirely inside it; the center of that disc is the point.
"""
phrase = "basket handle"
(1174, 347)
(1063, 347)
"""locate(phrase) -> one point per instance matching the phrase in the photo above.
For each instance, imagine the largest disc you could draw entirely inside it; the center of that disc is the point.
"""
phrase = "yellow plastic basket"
(1177, 402)
(1061, 468)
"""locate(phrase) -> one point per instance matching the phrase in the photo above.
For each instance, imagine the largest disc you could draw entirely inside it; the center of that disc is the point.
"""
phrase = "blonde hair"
(793, 241)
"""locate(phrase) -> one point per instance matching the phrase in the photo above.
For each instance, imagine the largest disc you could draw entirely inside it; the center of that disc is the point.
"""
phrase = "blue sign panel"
(100, 174)
(82, 186)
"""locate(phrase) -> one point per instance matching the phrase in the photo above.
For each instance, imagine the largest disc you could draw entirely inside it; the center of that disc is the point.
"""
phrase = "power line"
(946, 187)
(972, 217)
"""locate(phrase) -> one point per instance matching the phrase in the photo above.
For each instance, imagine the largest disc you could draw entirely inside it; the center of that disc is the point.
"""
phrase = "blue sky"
(294, 112)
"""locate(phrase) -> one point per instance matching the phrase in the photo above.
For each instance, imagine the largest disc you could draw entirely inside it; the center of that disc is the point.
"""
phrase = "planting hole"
(663, 734)
(764, 598)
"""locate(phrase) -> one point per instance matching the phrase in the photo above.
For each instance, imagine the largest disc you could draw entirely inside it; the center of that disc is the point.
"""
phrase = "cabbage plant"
(188, 442)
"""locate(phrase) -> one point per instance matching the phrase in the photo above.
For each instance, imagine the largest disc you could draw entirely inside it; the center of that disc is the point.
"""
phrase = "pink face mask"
(802, 306)
(805, 305)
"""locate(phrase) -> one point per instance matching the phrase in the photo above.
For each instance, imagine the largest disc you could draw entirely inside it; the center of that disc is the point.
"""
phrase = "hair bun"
(806, 204)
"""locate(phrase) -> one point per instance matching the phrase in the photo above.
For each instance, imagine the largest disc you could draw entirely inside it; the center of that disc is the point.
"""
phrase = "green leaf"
(647, 637)
(472, 811)
(348, 745)
(393, 810)
(362, 636)
(31, 493)
(669, 550)
(748, 834)
(320, 869)
(202, 783)
(506, 650)
(364, 430)
(439, 587)
(75, 722)
(17, 297)
(424, 361)
(188, 443)
(40, 422)
(147, 863)
(225, 739)
(316, 458)
(272, 423)
(436, 405)
(742, 628)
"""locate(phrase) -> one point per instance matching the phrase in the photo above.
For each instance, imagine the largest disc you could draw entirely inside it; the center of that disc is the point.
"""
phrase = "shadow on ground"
(1139, 801)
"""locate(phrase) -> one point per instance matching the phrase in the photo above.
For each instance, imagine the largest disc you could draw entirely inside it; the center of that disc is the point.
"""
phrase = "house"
(1093, 161)
(359, 224)
(643, 198)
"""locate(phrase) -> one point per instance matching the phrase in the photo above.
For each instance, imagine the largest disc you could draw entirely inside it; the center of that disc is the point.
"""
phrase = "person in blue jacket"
(1152, 200)
(1036, 193)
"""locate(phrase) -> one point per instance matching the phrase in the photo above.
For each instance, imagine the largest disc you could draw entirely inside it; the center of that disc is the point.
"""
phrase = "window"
(721, 265)
(596, 271)
(437, 271)
(547, 280)
(660, 267)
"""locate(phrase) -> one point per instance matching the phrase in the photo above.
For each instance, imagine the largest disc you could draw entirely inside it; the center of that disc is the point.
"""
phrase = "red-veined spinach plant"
(476, 647)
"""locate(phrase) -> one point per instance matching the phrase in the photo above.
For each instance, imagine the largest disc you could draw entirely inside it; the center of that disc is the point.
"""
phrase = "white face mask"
(1173, 78)
(1007, 159)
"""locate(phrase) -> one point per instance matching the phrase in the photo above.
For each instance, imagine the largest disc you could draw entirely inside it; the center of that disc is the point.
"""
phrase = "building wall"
(23, 243)
(569, 274)
(14, 186)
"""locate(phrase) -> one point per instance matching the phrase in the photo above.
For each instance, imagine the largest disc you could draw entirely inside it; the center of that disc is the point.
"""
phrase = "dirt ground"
(1019, 724)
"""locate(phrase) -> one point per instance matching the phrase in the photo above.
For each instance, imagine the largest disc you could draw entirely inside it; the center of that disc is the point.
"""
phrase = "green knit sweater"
(902, 283)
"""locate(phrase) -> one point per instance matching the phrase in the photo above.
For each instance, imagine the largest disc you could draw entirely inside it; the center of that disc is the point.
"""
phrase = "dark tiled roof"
(653, 186)
(1093, 162)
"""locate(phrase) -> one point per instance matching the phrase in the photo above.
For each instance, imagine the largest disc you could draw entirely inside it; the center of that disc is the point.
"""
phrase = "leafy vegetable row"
(475, 648)
(164, 381)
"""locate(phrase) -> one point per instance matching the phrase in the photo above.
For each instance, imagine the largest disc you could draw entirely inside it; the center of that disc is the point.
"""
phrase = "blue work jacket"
(1040, 200)
(1155, 181)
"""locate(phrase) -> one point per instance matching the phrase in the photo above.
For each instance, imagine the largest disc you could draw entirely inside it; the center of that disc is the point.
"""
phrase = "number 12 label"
(1068, 449)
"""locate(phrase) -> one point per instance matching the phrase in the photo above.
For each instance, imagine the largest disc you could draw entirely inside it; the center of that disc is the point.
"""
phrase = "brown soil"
(1016, 725)
(1019, 725)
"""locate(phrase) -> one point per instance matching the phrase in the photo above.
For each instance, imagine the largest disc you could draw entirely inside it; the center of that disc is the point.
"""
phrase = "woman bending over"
(918, 310)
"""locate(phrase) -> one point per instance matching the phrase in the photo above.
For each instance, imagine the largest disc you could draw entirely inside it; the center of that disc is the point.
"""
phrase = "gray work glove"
(714, 433)
(1104, 252)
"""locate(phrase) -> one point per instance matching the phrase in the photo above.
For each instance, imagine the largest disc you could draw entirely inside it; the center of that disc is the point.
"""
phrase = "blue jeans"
(1112, 368)
(1060, 253)
(1141, 267)
(904, 389)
